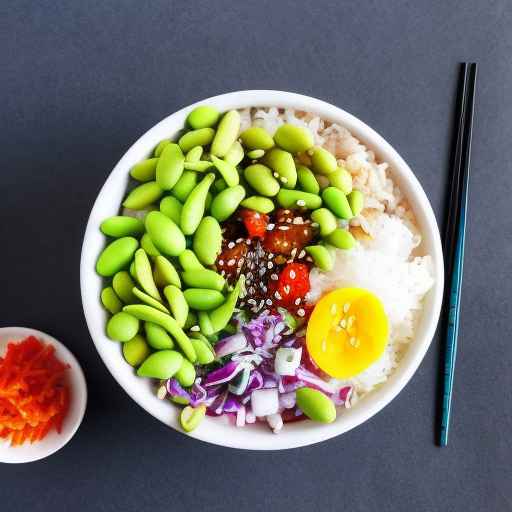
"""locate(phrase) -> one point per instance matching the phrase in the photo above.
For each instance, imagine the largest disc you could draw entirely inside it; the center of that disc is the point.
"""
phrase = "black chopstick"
(455, 237)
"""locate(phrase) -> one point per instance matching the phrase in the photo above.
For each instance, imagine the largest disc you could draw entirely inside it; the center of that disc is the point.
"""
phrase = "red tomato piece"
(255, 222)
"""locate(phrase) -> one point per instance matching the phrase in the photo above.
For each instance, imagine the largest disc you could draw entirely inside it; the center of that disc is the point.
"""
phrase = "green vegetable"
(226, 202)
(307, 180)
(116, 256)
(203, 278)
(169, 167)
(161, 365)
(160, 147)
(188, 260)
(207, 240)
(315, 405)
(191, 417)
(226, 135)
(171, 207)
(325, 220)
(256, 138)
(341, 239)
(337, 202)
(150, 301)
(143, 195)
(200, 166)
(184, 186)
(202, 299)
(203, 117)
(341, 179)
(120, 225)
(205, 354)
(235, 154)
(254, 154)
(145, 170)
(165, 273)
(221, 316)
(136, 350)
(227, 171)
(179, 306)
(292, 138)
(205, 323)
(194, 154)
(322, 161)
(144, 274)
(165, 234)
(123, 285)
(259, 204)
(199, 137)
(110, 300)
(157, 336)
(147, 244)
(297, 198)
(186, 375)
(321, 256)
(356, 201)
(260, 178)
(122, 327)
(282, 163)
(193, 209)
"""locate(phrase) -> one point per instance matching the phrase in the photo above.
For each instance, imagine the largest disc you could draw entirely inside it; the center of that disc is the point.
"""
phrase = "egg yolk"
(347, 332)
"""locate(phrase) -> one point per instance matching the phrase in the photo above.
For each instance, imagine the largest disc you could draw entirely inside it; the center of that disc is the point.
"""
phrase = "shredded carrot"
(34, 397)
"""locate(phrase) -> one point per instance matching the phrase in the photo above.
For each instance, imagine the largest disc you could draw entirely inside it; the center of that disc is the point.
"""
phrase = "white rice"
(382, 262)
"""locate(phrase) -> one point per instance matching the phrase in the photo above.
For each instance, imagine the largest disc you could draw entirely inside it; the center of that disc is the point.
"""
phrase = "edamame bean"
(199, 137)
(227, 133)
(205, 323)
(321, 256)
(110, 300)
(178, 304)
(282, 163)
(341, 238)
(184, 186)
(297, 198)
(123, 285)
(219, 184)
(194, 154)
(227, 171)
(171, 207)
(226, 202)
(122, 327)
(203, 117)
(337, 202)
(256, 137)
(260, 178)
(147, 244)
(170, 166)
(132, 270)
(157, 336)
(235, 154)
(186, 375)
(165, 273)
(161, 365)
(255, 154)
(188, 260)
(203, 278)
(193, 209)
(307, 180)
(150, 301)
(292, 138)
(207, 240)
(208, 201)
(143, 195)
(322, 161)
(160, 147)
(136, 350)
(149, 314)
(200, 166)
(356, 201)
(144, 274)
(315, 405)
(258, 204)
(191, 417)
(203, 299)
(165, 234)
(205, 354)
(221, 316)
(116, 256)
(120, 225)
(325, 220)
(191, 320)
(145, 170)
(341, 179)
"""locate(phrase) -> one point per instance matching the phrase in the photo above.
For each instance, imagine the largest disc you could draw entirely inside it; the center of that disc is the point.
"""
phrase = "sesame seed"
(297, 301)
(268, 302)
(294, 252)
(284, 228)
(256, 215)
(343, 324)
(306, 232)
(261, 304)
(301, 202)
(302, 254)
(314, 224)
(195, 328)
(285, 244)
(231, 262)
(334, 309)
(274, 277)
(270, 255)
(289, 221)
(276, 175)
(354, 342)
(351, 320)
(298, 220)
(346, 307)
(301, 312)
(221, 262)
(286, 289)
(264, 288)
(231, 245)
(286, 212)
(284, 180)
(238, 240)
(262, 271)
(251, 290)
(249, 276)
(270, 264)
(292, 274)
(223, 273)
(248, 241)
(270, 227)
(252, 302)
(277, 295)
(161, 392)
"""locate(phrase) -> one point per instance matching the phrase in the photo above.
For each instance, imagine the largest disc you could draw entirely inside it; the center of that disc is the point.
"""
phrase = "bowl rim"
(296, 434)
(74, 417)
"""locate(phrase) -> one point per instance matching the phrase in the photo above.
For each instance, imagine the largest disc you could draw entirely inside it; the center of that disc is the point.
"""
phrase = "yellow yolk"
(347, 332)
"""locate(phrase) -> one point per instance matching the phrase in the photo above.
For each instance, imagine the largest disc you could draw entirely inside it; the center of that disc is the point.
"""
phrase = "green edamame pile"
(167, 301)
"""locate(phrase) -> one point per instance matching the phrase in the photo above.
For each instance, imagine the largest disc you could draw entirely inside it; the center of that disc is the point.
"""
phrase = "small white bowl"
(75, 378)
(219, 431)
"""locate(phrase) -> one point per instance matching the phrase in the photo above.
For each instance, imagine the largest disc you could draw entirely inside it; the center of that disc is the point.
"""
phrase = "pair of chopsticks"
(455, 234)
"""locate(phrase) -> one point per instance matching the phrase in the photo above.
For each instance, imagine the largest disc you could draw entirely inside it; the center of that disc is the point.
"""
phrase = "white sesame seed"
(249, 276)
(264, 288)
(314, 224)
(268, 302)
(238, 240)
(277, 295)
(275, 175)
(346, 307)
(301, 312)
(343, 324)
(284, 228)
(252, 302)
(292, 274)
(274, 277)
(284, 180)
(270, 255)
(231, 245)
(270, 265)
(256, 215)
(301, 202)
(334, 309)
(285, 244)
(262, 271)
(351, 320)
(298, 220)
(161, 392)
(302, 254)
(294, 251)
(286, 289)
(306, 232)
(251, 290)
(248, 241)
(261, 304)
(231, 262)
(223, 273)
(297, 301)
(270, 227)
(289, 221)
(221, 262)
(195, 328)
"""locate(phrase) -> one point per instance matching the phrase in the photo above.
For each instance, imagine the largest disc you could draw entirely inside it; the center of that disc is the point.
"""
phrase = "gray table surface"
(81, 81)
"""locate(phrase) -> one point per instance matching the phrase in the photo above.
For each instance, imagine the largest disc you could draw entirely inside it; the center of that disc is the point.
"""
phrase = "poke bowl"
(262, 263)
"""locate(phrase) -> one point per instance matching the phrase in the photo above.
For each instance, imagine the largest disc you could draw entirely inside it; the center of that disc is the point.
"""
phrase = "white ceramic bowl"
(215, 430)
(53, 441)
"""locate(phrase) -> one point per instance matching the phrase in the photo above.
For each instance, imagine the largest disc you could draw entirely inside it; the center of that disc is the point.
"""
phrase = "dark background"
(81, 81)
